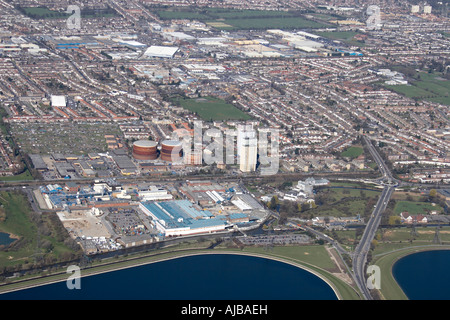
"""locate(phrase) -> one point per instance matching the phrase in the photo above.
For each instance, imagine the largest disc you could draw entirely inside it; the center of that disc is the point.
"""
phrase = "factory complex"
(179, 217)
(106, 215)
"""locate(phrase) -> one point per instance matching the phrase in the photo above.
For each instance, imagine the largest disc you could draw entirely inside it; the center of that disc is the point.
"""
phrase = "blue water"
(202, 277)
(5, 239)
(424, 275)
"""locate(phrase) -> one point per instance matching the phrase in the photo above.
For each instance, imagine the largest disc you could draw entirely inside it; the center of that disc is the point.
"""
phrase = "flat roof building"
(161, 52)
(58, 101)
(181, 218)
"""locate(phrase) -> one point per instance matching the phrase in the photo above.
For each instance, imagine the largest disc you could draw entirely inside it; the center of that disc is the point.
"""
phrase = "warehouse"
(181, 218)
(161, 52)
(38, 163)
(178, 36)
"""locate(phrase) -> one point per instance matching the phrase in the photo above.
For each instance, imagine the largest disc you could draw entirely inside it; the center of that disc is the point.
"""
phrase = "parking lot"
(275, 240)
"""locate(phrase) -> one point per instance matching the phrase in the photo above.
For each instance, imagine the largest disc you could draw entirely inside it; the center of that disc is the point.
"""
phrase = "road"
(178, 178)
(360, 254)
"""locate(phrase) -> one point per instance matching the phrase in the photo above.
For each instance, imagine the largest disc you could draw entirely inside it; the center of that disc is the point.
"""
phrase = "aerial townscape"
(312, 132)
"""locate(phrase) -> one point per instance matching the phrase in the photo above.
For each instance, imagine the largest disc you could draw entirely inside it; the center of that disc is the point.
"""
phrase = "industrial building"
(154, 193)
(160, 52)
(181, 218)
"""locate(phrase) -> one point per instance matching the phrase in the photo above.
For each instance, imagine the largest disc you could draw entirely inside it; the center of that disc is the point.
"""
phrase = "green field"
(344, 36)
(45, 13)
(15, 220)
(409, 91)
(425, 86)
(413, 207)
(274, 22)
(204, 14)
(40, 237)
(343, 201)
(352, 152)
(26, 175)
(212, 109)
(226, 19)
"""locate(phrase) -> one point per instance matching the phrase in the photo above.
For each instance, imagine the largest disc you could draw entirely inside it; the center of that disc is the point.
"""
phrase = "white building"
(247, 148)
(178, 36)
(308, 185)
(161, 52)
(154, 194)
(415, 9)
(58, 101)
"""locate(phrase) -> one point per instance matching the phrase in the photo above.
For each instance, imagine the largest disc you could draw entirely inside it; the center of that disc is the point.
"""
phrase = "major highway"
(360, 254)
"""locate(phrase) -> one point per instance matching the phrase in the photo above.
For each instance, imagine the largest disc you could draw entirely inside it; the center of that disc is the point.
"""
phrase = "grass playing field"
(426, 86)
(212, 109)
(413, 207)
(226, 19)
(352, 152)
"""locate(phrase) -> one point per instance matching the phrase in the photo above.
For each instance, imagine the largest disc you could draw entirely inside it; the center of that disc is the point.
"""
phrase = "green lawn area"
(343, 202)
(426, 86)
(26, 175)
(225, 19)
(423, 234)
(315, 255)
(16, 221)
(350, 191)
(352, 152)
(326, 17)
(211, 109)
(45, 13)
(16, 218)
(344, 36)
(181, 14)
(414, 207)
(409, 91)
(274, 22)
(204, 14)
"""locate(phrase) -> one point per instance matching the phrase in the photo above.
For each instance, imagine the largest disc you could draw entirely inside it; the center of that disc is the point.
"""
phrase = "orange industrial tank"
(145, 150)
(171, 150)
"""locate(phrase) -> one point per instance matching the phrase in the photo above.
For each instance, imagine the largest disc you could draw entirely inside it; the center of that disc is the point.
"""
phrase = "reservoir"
(199, 277)
(424, 275)
(5, 239)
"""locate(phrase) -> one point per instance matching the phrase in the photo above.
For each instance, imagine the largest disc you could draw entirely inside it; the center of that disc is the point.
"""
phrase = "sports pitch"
(212, 109)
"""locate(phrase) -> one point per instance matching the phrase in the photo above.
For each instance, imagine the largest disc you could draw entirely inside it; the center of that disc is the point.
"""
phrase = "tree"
(433, 193)
(273, 203)
(393, 220)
